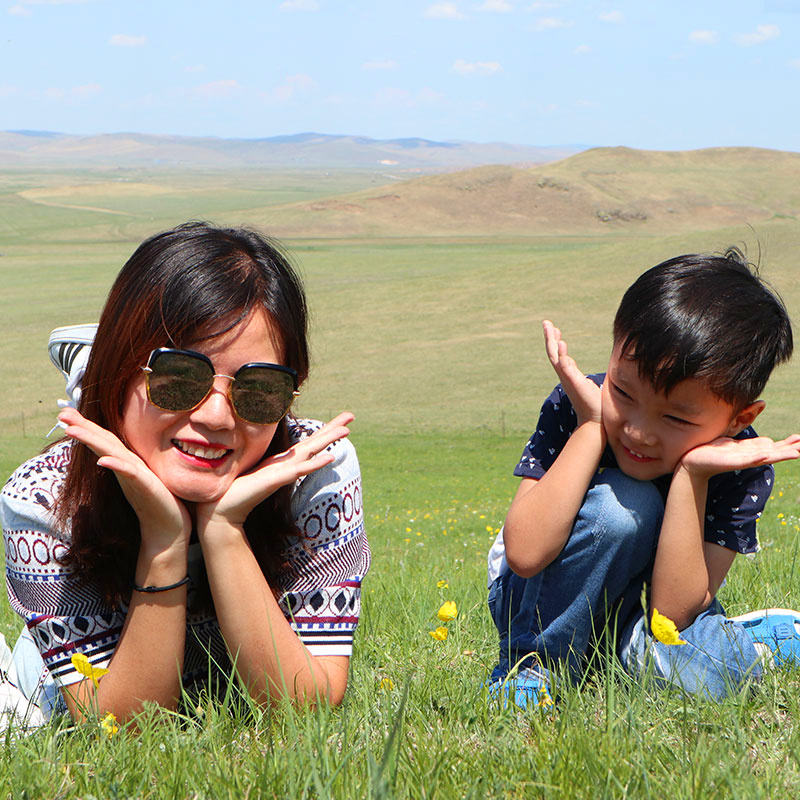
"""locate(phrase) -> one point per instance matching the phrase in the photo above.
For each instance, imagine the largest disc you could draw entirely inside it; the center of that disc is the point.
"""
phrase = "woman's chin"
(198, 493)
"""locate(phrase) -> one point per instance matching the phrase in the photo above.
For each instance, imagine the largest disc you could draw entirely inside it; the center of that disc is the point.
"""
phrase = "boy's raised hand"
(726, 454)
(584, 394)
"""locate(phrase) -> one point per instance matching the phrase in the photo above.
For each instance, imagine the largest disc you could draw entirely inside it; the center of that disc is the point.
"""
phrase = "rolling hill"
(592, 191)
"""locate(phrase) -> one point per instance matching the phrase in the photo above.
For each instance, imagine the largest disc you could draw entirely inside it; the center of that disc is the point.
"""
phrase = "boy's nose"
(637, 433)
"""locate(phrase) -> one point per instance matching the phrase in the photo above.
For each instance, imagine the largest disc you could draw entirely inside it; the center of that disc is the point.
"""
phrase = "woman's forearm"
(268, 655)
(148, 659)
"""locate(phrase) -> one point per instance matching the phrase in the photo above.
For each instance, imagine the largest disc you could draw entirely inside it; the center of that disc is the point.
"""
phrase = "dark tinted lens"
(178, 381)
(262, 395)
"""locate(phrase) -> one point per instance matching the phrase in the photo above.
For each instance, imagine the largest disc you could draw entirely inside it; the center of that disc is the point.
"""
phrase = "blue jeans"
(596, 582)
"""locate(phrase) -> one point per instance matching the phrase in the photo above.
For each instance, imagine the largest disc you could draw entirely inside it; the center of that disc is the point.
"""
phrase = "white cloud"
(403, 100)
(763, 33)
(387, 64)
(8, 91)
(223, 88)
(612, 16)
(795, 62)
(476, 67)
(21, 9)
(299, 5)
(582, 50)
(704, 37)
(551, 24)
(545, 6)
(498, 6)
(87, 90)
(587, 104)
(124, 40)
(443, 10)
(74, 92)
(195, 68)
(291, 87)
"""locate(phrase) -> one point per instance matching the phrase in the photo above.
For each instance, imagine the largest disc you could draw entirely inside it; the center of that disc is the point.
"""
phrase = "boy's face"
(649, 431)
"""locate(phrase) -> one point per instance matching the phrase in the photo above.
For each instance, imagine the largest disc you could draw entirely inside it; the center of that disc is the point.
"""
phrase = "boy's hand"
(584, 394)
(725, 454)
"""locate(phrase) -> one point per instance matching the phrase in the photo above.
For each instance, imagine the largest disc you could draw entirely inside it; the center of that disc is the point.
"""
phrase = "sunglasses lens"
(178, 382)
(262, 395)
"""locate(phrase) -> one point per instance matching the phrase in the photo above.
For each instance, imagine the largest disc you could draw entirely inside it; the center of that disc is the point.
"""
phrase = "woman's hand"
(584, 394)
(253, 487)
(163, 519)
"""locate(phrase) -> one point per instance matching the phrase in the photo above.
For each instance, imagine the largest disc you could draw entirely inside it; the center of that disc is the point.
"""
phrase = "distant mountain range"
(23, 148)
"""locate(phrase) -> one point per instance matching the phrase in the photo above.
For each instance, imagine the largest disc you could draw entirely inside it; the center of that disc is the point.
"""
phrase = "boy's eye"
(619, 391)
(679, 420)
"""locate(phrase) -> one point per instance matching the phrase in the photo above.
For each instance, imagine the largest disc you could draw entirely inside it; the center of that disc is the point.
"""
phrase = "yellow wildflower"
(442, 585)
(448, 611)
(664, 629)
(108, 724)
(545, 701)
(84, 666)
(780, 516)
(387, 684)
(440, 634)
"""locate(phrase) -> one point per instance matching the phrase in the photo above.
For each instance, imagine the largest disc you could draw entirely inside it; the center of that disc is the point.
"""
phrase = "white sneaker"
(69, 349)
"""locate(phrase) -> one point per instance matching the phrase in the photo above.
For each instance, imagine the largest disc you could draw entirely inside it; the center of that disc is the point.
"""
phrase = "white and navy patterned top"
(735, 499)
(320, 591)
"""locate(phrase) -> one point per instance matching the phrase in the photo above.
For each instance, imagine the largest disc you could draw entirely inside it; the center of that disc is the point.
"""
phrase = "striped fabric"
(320, 590)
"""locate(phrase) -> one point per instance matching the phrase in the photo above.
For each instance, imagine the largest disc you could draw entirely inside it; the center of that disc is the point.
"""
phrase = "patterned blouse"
(320, 590)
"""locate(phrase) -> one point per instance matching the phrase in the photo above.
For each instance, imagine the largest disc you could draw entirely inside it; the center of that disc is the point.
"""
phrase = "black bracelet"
(152, 589)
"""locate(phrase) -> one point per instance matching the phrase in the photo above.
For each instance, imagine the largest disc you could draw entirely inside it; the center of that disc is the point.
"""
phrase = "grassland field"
(435, 344)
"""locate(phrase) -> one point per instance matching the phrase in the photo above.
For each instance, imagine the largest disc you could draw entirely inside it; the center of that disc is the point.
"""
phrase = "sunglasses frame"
(154, 354)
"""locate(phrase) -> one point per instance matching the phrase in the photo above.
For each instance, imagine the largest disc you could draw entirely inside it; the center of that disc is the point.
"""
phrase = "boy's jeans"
(602, 568)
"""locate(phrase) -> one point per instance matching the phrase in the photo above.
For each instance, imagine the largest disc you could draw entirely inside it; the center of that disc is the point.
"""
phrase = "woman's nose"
(215, 412)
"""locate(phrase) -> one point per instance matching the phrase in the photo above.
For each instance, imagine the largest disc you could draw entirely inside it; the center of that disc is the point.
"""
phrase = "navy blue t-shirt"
(735, 499)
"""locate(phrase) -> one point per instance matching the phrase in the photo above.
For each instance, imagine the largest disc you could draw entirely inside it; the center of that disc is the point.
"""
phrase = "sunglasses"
(179, 380)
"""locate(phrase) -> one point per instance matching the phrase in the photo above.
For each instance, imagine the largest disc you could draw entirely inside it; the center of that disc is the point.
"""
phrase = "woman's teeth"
(200, 452)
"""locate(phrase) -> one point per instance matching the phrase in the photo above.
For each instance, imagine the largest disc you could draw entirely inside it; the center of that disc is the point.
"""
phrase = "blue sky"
(647, 74)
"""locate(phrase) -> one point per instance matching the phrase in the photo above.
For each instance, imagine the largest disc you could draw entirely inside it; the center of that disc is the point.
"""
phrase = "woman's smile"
(198, 454)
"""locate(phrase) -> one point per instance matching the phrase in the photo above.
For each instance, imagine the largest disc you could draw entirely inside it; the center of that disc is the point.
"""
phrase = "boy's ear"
(745, 417)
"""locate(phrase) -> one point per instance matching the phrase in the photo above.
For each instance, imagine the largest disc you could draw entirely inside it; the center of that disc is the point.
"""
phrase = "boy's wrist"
(693, 472)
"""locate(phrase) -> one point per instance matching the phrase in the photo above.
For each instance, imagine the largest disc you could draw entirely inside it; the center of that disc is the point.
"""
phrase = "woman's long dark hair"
(177, 288)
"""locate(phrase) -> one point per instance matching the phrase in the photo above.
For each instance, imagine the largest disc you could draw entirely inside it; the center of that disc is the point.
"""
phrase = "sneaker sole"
(65, 343)
(766, 612)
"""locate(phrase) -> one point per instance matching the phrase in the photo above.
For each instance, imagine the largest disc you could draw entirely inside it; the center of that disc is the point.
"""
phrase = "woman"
(187, 527)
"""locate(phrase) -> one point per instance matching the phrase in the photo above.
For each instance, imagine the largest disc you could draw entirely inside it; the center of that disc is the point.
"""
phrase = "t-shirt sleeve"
(556, 422)
(735, 502)
(63, 616)
(327, 562)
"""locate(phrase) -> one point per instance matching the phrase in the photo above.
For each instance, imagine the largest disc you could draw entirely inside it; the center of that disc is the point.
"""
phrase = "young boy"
(648, 476)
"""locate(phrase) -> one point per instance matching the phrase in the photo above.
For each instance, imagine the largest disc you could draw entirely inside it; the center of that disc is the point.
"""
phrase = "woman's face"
(198, 454)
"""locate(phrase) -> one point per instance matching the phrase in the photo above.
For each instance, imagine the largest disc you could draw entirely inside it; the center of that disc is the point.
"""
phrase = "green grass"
(435, 344)
(432, 734)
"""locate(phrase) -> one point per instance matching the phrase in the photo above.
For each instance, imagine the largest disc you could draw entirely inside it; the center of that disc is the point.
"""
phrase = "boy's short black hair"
(705, 316)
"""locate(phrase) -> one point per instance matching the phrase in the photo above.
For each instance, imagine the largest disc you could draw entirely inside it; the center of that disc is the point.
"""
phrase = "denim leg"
(717, 659)
(612, 541)
(29, 673)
